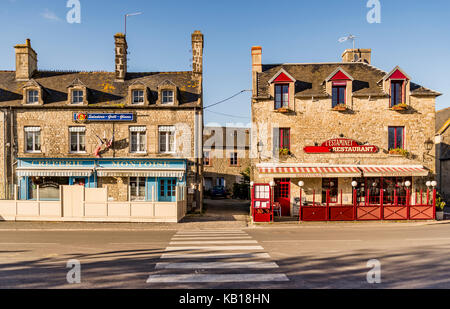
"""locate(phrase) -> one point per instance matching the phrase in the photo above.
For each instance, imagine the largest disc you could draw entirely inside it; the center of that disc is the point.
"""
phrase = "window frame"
(233, 159)
(281, 144)
(74, 91)
(164, 96)
(34, 134)
(34, 91)
(167, 134)
(139, 180)
(393, 95)
(207, 158)
(340, 88)
(78, 143)
(395, 137)
(139, 96)
(139, 135)
(283, 103)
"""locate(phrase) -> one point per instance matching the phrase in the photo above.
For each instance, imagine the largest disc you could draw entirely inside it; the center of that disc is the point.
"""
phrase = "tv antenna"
(130, 14)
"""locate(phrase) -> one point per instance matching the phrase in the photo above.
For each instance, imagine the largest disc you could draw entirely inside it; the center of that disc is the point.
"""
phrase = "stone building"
(138, 134)
(327, 125)
(443, 152)
(226, 154)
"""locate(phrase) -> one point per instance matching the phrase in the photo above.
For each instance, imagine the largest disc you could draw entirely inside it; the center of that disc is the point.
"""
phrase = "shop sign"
(341, 145)
(142, 164)
(87, 117)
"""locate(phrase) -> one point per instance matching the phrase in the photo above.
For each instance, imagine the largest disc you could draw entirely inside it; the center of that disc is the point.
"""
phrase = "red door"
(283, 195)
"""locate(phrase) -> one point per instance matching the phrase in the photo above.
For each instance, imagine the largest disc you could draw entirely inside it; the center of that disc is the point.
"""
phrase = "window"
(281, 96)
(207, 158)
(167, 97)
(77, 97)
(33, 139)
(138, 97)
(234, 159)
(396, 138)
(137, 188)
(396, 92)
(339, 92)
(138, 137)
(284, 139)
(167, 190)
(332, 185)
(32, 96)
(167, 139)
(77, 139)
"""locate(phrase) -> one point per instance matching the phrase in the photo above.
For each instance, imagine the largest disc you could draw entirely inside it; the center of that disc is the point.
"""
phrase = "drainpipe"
(5, 185)
(12, 143)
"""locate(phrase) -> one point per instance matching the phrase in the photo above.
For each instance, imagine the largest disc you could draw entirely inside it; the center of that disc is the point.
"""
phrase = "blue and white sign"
(85, 117)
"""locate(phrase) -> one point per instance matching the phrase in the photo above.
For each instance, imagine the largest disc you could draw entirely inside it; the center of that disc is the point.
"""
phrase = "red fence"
(371, 208)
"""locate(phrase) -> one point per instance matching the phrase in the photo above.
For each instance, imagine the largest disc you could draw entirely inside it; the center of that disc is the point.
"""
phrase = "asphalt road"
(316, 256)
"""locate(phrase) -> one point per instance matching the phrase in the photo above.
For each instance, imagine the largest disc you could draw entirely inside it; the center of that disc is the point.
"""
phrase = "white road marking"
(215, 248)
(215, 255)
(316, 240)
(28, 243)
(218, 265)
(213, 242)
(210, 238)
(196, 278)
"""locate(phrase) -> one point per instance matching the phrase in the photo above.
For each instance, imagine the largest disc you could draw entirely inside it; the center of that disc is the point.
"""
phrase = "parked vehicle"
(218, 191)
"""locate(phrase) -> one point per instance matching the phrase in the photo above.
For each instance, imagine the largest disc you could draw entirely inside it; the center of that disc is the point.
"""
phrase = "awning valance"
(39, 172)
(311, 172)
(394, 171)
(139, 173)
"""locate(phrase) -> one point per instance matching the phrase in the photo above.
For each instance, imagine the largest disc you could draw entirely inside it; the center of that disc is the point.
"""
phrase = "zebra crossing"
(215, 256)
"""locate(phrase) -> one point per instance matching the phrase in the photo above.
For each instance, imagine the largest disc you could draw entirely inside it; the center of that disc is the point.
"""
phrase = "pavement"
(225, 253)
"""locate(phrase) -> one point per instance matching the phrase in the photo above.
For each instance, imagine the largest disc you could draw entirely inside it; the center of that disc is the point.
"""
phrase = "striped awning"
(311, 172)
(139, 173)
(66, 172)
(394, 171)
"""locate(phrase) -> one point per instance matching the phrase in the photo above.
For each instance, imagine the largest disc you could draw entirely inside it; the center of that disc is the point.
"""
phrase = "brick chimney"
(256, 67)
(357, 55)
(197, 52)
(26, 61)
(121, 56)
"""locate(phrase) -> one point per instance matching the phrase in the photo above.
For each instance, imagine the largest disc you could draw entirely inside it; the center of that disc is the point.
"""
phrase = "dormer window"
(32, 96)
(77, 97)
(339, 93)
(396, 92)
(138, 97)
(281, 96)
(167, 97)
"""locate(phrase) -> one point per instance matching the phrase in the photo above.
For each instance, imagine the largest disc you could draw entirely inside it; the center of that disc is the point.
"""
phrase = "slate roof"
(442, 117)
(103, 91)
(311, 77)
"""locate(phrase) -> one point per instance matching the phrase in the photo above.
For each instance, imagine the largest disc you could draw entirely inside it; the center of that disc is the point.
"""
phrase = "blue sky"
(412, 34)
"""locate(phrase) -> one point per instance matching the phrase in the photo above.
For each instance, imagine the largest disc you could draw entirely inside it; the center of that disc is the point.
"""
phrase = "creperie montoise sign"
(341, 145)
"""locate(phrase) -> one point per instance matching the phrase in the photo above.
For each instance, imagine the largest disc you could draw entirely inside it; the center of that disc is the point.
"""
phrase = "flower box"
(400, 107)
(283, 110)
(340, 108)
(399, 152)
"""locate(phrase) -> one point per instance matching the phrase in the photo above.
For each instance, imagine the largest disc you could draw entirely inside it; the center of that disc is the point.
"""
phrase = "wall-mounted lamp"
(429, 145)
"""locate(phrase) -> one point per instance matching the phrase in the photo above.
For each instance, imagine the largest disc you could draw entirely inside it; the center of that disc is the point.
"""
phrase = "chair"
(277, 208)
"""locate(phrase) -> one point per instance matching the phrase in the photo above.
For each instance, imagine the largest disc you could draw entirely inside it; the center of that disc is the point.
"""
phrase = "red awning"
(311, 172)
(394, 171)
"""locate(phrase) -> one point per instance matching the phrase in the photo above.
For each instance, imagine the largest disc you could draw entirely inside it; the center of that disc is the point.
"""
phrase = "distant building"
(134, 137)
(443, 152)
(225, 156)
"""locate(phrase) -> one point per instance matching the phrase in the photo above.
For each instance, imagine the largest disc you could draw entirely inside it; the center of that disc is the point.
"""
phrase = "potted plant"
(440, 204)
(400, 107)
(283, 110)
(340, 107)
(399, 151)
(284, 152)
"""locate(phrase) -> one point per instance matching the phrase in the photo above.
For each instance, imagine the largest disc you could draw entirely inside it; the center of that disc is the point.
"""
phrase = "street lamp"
(407, 184)
(429, 145)
(354, 184)
(434, 184)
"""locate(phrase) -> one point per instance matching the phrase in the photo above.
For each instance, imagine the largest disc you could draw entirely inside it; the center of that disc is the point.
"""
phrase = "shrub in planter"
(400, 107)
(284, 152)
(399, 151)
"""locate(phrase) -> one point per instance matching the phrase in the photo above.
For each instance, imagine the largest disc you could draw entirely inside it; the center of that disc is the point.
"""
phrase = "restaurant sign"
(341, 145)
(87, 117)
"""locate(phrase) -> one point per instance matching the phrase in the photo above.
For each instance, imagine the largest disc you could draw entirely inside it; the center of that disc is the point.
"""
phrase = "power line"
(228, 115)
(227, 99)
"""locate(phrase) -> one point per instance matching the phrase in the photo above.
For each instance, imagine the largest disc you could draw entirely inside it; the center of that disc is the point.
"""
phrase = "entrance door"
(167, 189)
(283, 195)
